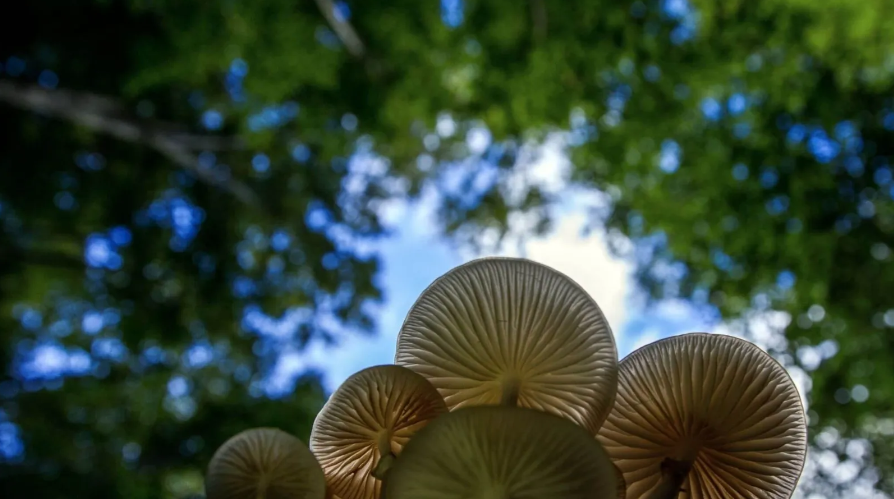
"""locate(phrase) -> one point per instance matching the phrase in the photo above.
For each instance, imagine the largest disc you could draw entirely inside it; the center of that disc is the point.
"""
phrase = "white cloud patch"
(586, 260)
(567, 248)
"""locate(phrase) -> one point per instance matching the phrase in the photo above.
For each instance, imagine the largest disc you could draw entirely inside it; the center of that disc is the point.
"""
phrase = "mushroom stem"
(262, 487)
(510, 393)
(673, 475)
(387, 457)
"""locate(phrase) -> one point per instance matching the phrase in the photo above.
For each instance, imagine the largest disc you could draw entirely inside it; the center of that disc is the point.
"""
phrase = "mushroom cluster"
(507, 385)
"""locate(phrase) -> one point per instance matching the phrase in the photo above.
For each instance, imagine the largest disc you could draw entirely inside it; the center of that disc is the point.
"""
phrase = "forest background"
(211, 213)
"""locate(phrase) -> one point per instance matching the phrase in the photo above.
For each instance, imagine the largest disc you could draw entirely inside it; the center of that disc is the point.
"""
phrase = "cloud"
(586, 260)
(415, 256)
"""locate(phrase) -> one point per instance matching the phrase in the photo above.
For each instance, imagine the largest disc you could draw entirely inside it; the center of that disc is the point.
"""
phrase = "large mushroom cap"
(716, 402)
(374, 412)
(498, 452)
(264, 463)
(511, 329)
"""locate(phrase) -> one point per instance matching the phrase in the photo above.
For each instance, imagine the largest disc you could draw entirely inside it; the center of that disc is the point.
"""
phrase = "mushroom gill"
(706, 416)
(366, 423)
(498, 452)
(621, 491)
(512, 331)
(264, 463)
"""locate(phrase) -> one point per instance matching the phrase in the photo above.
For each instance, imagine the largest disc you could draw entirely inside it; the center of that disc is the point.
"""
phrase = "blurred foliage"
(745, 147)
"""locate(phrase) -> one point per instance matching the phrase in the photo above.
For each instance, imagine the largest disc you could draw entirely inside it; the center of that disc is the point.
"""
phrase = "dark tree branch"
(342, 29)
(206, 142)
(105, 115)
(42, 258)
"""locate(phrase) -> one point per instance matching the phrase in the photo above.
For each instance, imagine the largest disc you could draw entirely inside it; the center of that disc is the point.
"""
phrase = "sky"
(415, 255)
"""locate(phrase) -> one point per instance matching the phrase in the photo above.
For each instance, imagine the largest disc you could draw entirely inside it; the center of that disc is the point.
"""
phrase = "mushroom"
(512, 331)
(264, 463)
(621, 491)
(366, 423)
(499, 452)
(706, 416)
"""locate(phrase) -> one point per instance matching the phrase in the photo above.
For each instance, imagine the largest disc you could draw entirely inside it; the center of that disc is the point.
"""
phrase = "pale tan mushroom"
(513, 331)
(498, 452)
(708, 414)
(366, 423)
(264, 463)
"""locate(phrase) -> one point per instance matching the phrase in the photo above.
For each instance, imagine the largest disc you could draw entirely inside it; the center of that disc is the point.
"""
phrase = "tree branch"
(105, 115)
(342, 29)
(15, 255)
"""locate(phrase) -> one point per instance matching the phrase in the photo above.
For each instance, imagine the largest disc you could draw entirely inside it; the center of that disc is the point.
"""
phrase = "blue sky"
(416, 255)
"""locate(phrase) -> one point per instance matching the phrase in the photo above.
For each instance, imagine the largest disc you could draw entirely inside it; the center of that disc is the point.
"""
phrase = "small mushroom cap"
(264, 462)
(718, 402)
(378, 406)
(495, 452)
(498, 325)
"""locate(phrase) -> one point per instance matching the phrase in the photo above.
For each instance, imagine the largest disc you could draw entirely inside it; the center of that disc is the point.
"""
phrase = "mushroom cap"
(718, 402)
(382, 403)
(264, 462)
(494, 452)
(499, 324)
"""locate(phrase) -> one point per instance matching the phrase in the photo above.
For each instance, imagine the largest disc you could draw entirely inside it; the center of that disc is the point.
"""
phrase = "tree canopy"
(188, 190)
